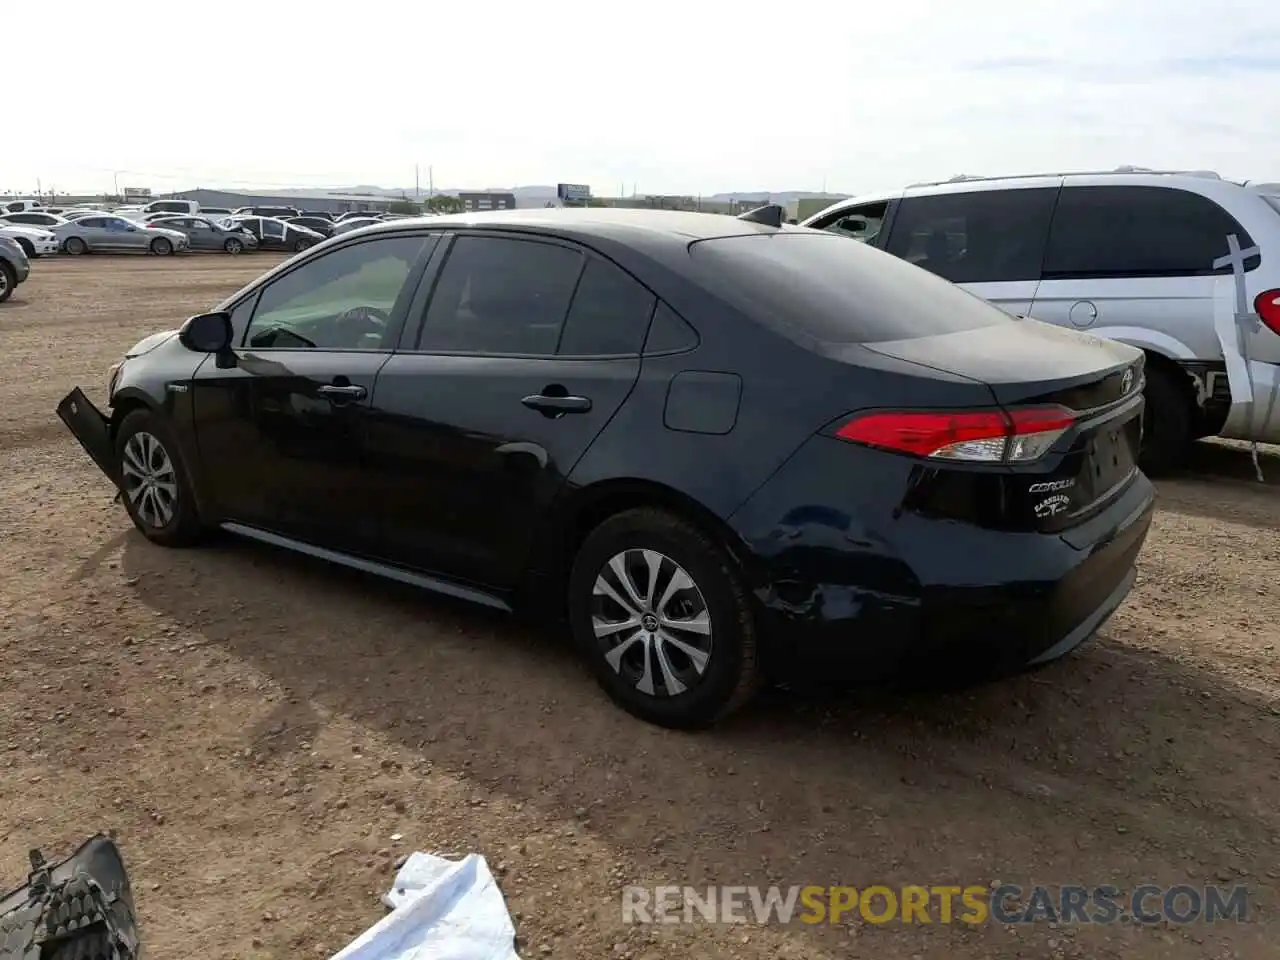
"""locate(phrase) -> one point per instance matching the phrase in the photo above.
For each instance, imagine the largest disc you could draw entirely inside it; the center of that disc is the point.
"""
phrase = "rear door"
(991, 242)
(1136, 263)
(282, 431)
(527, 348)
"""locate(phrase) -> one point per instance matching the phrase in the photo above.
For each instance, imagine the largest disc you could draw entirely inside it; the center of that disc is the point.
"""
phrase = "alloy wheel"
(4, 283)
(150, 482)
(652, 622)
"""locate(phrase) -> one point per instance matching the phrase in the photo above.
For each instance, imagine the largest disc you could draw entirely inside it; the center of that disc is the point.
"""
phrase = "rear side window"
(500, 295)
(825, 288)
(982, 237)
(609, 315)
(1101, 232)
(669, 333)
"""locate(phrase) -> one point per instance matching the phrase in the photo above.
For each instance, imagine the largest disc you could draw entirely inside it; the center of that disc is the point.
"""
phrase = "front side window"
(498, 295)
(988, 236)
(859, 223)
(343, 300)
(1139, 232)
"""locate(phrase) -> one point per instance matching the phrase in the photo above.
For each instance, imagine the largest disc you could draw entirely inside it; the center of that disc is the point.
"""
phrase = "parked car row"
(169, 226)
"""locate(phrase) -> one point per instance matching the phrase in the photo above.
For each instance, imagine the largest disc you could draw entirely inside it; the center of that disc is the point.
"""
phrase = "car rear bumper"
(865, 590)
(92, 429)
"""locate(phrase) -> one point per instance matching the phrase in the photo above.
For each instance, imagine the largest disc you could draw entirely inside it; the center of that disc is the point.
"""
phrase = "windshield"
(824, 287)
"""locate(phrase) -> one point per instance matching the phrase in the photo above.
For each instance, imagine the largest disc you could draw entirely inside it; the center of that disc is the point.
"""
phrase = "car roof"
(616, 223)
(1197, 181)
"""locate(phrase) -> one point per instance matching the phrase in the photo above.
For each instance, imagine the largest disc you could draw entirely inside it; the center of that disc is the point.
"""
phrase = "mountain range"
(540, 193)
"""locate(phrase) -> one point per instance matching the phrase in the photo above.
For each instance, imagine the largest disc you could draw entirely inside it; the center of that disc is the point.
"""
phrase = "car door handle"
(342, 392)
(552, 405)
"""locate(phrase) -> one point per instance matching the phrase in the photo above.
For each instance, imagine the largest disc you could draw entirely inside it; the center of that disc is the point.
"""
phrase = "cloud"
(681, 97)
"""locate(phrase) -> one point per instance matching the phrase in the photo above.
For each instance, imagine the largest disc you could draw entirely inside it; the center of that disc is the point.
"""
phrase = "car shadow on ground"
(1219, 482)
(1118, 765)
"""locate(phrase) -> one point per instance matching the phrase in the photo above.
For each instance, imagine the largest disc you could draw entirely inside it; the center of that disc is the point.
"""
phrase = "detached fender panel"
(92, 429)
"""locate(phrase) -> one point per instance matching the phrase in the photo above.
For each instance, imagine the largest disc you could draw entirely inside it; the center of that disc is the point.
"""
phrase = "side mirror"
(207, 333)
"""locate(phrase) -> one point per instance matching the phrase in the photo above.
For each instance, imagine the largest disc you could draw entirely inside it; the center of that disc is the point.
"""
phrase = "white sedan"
(36, 241)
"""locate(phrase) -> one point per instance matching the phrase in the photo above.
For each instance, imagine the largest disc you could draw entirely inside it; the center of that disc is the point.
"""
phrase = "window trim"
(1047, 277)
(399, 314)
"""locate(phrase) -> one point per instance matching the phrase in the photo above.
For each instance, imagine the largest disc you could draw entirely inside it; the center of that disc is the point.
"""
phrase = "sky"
(659, 97)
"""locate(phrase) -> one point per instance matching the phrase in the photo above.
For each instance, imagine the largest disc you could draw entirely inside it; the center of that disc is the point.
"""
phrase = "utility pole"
(431, 183)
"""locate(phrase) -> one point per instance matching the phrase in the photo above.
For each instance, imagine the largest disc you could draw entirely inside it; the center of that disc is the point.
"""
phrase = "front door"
(526, 350)
(991, 242)
(289, 416)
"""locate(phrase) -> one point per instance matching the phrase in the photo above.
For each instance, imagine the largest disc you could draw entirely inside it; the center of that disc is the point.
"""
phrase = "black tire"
(8, 281)
(75, 246)
(730, 675)
(301, 245)
(233, 246)
(183, 527)
(161, 246)
(1167, 427)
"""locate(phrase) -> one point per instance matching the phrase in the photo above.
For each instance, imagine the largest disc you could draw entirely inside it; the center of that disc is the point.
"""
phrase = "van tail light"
(979, 436)
(1267, 306)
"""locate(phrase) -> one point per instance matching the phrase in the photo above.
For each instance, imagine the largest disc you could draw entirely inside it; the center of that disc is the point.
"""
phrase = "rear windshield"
(837, 290)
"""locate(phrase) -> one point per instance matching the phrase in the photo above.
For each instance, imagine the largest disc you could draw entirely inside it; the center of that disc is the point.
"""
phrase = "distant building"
(320, 200)
(802, 208)
(487, 201)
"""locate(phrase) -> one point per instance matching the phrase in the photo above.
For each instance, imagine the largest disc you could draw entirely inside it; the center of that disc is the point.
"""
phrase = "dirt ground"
(257, 727)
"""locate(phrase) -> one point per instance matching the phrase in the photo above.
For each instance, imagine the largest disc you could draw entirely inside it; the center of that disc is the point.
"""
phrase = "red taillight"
(979, 436)
(1267, 305)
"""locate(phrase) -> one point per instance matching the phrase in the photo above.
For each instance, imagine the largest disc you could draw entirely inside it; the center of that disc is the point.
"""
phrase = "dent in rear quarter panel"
(830, 578)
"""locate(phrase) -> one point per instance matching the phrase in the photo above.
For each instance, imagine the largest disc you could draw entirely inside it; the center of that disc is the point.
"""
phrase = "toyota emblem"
(1126, 383)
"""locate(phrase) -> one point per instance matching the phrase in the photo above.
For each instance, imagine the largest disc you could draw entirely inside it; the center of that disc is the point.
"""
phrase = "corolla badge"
(1050, 486)
(1126, 382)
(1052, 506)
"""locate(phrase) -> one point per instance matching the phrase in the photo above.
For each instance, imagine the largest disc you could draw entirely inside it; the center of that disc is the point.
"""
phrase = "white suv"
(1139, 256)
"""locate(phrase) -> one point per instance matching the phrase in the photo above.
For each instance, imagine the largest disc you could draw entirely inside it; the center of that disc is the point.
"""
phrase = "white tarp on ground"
(440, 910)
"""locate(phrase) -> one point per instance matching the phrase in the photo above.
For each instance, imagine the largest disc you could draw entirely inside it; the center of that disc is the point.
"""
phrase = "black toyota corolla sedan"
(726, 449)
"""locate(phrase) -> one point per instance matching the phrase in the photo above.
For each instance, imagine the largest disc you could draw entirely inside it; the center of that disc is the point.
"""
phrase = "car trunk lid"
(1029, 365)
